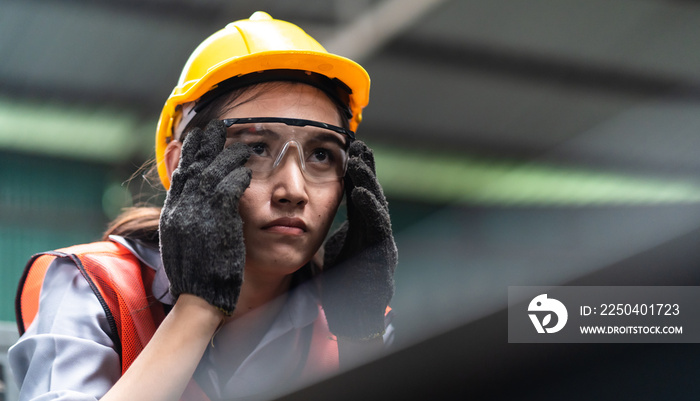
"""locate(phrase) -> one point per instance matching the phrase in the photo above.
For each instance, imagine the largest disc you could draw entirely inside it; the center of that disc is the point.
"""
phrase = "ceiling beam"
(377, 26)
(543, 69)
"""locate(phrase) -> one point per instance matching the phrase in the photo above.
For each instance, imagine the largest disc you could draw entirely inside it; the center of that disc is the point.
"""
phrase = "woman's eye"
(258, 148)
(321, 156)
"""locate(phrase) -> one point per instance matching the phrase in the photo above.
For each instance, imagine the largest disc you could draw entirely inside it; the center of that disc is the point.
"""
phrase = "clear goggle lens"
(321, 148)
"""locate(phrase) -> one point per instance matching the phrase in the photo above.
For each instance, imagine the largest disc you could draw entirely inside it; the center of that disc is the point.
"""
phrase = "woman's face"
(286, 217)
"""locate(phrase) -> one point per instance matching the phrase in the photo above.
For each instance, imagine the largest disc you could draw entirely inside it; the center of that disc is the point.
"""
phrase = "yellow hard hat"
(257, 44)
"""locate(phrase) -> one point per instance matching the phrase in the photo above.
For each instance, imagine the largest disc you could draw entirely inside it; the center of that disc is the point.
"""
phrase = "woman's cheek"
(333, 198)
(246, 206)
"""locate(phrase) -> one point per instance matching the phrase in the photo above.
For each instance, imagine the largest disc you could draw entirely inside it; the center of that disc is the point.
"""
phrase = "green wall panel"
(45, 203)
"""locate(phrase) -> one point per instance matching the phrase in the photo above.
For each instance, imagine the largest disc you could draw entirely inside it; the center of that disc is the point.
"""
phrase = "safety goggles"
(320, 147)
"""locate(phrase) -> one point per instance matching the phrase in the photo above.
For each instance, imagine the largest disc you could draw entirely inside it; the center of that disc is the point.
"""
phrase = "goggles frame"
(294, 122)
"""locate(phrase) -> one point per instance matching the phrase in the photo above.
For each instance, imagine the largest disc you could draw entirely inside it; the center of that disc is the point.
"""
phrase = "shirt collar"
(150, 256)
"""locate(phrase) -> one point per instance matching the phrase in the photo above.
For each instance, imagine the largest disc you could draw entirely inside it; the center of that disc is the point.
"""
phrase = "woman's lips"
(286, 225)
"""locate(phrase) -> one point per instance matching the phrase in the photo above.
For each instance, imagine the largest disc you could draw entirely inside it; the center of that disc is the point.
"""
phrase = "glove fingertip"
(360, 150)
(215, 132)
(357, 147)
(239, 153)
(211, 142)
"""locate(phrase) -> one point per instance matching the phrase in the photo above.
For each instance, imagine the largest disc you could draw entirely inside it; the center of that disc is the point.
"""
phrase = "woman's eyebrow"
(246, 131)
(328, 137)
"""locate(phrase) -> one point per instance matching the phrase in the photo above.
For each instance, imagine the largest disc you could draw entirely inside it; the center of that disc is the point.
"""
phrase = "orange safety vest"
(123, 285)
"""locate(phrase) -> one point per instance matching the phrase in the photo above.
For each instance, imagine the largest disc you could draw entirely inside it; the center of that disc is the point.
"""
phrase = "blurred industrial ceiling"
(605, 85)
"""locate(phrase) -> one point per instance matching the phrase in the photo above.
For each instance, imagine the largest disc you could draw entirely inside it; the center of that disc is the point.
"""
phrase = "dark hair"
(141, 223)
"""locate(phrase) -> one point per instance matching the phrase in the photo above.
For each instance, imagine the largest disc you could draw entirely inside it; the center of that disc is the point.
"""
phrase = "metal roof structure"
(577, 82)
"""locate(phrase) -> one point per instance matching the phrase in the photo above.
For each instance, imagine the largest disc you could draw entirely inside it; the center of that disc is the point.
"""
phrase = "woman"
(256, 148)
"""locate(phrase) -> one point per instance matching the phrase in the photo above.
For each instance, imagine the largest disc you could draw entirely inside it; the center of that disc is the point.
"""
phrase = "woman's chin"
(282, 263)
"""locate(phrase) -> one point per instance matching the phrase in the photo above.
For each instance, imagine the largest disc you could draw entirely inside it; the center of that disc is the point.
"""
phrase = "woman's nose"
(290, 184)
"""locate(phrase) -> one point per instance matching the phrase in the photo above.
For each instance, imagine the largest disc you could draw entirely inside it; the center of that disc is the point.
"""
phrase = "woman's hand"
(201, 231)
(360, 258)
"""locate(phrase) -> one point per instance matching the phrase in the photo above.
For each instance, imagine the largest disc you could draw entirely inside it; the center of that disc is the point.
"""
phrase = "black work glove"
(201, 231)
(357, 282)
